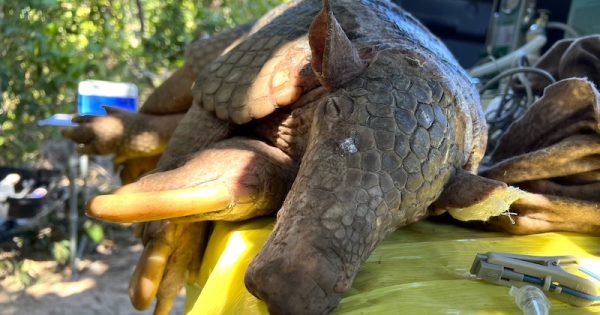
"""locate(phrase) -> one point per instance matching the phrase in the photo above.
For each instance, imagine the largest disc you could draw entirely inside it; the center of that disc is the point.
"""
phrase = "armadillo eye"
(338, 107)
(333, 109)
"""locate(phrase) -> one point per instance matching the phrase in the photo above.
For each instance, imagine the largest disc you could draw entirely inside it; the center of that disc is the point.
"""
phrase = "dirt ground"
(100, 289)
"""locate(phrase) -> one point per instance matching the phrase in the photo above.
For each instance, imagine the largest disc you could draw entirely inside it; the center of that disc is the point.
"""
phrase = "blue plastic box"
(94, 94)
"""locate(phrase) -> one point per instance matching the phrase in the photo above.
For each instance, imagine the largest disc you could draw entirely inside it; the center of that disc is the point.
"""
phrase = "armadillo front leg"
(234, 179)
(168, 251)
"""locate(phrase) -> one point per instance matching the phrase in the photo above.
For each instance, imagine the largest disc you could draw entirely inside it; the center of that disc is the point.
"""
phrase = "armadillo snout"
(296, 281)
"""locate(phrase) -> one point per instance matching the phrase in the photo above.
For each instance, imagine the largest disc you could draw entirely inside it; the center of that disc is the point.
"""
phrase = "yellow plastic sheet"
(420, 269)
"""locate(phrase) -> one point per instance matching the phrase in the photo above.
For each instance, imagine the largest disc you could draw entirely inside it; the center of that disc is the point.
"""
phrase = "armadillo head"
(383, 143)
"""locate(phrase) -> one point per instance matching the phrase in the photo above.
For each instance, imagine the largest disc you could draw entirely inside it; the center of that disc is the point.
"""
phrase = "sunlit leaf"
(94, 231)
(61, 251)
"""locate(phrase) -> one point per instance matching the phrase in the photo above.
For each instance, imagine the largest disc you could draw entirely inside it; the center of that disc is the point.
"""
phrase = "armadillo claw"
(145, 281)
(148, 206)
(170, 250)
(190, 246)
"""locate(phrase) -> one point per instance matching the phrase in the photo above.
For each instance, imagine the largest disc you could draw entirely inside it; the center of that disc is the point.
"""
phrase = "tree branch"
(141, 17)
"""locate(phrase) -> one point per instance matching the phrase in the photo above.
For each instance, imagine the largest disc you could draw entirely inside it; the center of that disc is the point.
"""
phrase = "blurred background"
(48, 46)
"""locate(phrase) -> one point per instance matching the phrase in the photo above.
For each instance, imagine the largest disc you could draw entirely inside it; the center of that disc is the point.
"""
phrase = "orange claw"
(147, 276)
(161, 270)
(150, 206)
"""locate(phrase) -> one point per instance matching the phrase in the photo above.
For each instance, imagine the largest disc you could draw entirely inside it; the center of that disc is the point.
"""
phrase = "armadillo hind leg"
(537, 213)
(573, 155)
(491, 204)
(582, 191)
(469, 197)
(552, 152)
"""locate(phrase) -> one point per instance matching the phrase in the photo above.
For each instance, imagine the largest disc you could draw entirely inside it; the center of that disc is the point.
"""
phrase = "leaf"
(94, 231)
(61, 252)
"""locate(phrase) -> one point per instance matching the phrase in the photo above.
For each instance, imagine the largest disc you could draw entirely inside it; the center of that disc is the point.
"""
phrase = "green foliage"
(48, 46)
(61, 251)
(19, 269)
(94, 231)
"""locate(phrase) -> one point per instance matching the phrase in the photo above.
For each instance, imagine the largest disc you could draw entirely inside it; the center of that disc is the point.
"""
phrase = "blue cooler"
(94, 94)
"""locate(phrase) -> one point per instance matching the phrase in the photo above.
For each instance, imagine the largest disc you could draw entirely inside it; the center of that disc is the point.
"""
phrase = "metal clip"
(545, 272)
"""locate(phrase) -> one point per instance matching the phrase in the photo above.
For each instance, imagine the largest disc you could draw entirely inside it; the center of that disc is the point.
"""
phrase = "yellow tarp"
(420, 269)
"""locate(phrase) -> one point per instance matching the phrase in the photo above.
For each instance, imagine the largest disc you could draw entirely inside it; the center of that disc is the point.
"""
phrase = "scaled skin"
(382, 145)
(378, 122)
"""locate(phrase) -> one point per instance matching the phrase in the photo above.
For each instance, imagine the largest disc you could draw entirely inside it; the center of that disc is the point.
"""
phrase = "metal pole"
(85, 192)
(84, 162)
(73, 213)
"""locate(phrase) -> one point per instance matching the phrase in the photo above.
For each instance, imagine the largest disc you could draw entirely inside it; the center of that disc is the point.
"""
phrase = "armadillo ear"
(335, 60)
